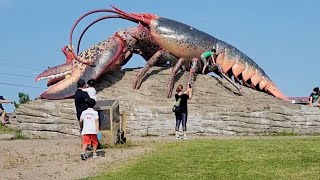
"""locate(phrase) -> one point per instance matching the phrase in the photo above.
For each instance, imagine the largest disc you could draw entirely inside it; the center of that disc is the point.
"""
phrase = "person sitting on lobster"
(314, 99)
(206, 57)
(209, 65)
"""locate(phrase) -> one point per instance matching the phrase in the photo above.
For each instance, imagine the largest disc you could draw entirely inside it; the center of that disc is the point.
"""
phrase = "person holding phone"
(182, 115)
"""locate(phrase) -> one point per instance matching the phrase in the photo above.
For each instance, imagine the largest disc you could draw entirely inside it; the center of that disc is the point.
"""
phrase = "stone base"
(215, 109)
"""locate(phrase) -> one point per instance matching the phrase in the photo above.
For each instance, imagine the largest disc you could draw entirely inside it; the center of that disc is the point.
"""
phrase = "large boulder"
(215, 108)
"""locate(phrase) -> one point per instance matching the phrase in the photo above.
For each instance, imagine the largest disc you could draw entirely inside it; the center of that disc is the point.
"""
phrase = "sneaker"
(83, 156)
(177, 137)
(95, 155)
(185, 137)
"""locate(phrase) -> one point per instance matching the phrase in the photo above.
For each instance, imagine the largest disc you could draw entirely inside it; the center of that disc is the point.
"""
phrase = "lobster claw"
(62, 83)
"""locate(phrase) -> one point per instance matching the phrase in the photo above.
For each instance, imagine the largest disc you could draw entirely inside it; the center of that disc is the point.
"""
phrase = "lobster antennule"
(144, 18)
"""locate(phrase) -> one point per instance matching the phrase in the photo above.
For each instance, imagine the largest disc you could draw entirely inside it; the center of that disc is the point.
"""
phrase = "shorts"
(316, 103)
(90, 139)
(204, 59)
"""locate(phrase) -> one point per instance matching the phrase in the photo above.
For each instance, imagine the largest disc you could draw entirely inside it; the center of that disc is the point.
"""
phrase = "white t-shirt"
(89, 117)
(91, 91)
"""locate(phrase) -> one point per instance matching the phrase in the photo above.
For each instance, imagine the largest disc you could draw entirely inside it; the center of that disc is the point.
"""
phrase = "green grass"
(7, 130)
(266, 158)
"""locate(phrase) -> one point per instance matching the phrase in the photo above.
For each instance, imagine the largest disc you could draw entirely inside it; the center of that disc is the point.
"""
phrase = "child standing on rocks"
(90, 122)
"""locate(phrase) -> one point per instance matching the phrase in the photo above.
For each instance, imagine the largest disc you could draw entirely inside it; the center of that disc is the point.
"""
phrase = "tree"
(23, 98)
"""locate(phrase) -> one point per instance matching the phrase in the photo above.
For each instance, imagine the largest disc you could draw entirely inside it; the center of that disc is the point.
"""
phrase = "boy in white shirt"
(90, 127)
(90, 89)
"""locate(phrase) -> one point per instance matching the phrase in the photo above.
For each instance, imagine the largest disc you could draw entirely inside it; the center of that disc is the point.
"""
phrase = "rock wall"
(215, 109)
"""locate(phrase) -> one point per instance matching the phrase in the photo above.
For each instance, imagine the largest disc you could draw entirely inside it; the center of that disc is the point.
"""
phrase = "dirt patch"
(60, 158)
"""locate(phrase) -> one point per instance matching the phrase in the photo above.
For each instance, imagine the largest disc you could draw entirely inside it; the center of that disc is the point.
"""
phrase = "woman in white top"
(90, 89)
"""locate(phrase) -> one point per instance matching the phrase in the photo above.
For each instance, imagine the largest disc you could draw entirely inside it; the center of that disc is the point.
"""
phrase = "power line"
(19, 85)
(18, 75)
(24, 66)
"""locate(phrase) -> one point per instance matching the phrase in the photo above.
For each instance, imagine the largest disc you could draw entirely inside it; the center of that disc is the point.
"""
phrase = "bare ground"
(60, 158)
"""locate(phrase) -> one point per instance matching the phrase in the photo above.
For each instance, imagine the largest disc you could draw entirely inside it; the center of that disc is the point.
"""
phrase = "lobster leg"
(195, 67)
(152, 61)
(223, 75)
(173, 75)
(230, 80)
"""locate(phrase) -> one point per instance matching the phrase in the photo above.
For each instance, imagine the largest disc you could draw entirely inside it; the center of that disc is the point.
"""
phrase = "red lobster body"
(157, 40)
(186, 42)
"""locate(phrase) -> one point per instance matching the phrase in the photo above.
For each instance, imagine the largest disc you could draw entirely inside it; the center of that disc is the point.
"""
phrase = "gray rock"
(6, 137)
(215, 108)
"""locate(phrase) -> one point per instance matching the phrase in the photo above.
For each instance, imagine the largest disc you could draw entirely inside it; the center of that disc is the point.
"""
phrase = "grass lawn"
(265, 158)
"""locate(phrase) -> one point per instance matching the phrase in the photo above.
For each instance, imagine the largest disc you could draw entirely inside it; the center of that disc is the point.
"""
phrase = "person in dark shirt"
(182, 115)
(80, 100)
(2, 111)
(314, 98)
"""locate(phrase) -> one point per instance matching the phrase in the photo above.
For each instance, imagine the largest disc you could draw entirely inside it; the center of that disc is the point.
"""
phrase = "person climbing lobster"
(206, 57)
(209, 65)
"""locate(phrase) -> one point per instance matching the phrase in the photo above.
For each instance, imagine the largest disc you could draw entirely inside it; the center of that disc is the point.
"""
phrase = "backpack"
(176, 107)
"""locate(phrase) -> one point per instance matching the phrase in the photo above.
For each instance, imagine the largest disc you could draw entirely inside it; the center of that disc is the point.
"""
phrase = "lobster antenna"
(120, 14)
(97, 20)
(83, 16)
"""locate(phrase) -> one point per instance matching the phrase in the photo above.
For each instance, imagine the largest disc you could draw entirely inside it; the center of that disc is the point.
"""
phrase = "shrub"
(23, 98)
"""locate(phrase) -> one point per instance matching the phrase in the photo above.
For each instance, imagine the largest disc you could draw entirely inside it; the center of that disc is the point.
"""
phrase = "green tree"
(23, 98)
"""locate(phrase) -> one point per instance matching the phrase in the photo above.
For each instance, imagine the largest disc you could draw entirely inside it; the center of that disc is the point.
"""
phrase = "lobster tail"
(273, 90)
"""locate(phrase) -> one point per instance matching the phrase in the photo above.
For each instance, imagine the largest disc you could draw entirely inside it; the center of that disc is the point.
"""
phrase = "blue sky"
(281, 36)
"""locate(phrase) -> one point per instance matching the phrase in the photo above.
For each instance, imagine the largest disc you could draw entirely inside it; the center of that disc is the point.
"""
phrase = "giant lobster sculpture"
(157, 40)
